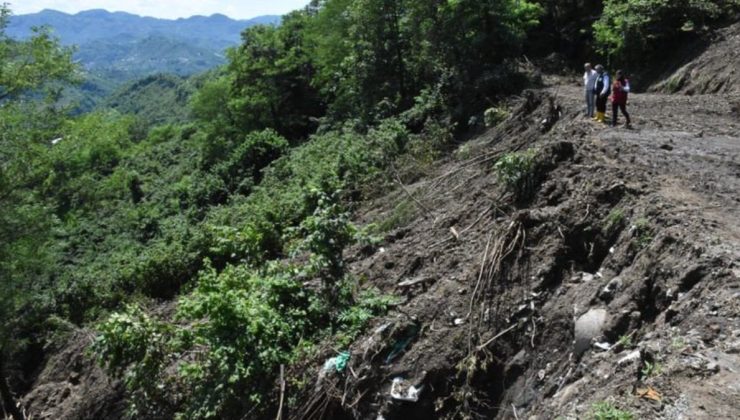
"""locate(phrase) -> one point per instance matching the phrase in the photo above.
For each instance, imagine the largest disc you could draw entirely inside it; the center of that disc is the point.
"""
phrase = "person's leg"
(623, 107)
(601, 107)
(589, 104)
(615, 115)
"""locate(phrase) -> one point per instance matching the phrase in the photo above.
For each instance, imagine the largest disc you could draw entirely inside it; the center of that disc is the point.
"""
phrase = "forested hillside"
(254, 241)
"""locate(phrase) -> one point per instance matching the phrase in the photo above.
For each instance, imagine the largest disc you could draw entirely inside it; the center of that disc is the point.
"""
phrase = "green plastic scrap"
(338, 363)
(341, 361)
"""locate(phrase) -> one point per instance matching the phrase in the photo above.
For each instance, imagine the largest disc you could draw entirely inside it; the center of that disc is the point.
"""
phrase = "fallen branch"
(496, 337)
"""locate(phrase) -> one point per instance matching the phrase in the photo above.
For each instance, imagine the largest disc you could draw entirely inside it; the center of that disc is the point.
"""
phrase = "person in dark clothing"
(621, 89)
(602, 88)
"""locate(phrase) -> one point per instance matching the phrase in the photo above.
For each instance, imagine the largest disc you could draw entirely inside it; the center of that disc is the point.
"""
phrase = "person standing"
(621, 89)
(589, 80)
(602, 88)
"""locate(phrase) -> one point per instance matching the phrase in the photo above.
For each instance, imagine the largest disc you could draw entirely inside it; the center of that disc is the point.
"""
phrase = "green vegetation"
(651, 369)
(230, 194)
(626, 341)
(494, 116)
(638, 30)
(643, 232)
(615, 218)
(607, 411)
(516, 171)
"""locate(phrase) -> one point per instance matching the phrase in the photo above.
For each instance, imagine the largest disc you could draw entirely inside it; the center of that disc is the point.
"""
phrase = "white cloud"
(165, 8)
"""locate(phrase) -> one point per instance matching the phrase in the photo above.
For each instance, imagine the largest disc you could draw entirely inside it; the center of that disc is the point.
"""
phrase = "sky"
(168, 9)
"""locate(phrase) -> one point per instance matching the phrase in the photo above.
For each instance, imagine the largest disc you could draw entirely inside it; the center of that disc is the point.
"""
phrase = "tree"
(271, 80)
(25, 222)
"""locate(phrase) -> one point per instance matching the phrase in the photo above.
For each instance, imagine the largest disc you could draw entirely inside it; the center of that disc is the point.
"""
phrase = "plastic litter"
(338, 363)
(400, 345)
(603, 346)
(402, 393)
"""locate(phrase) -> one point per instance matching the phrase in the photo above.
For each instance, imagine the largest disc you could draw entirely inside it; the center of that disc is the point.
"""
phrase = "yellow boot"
(600, 116)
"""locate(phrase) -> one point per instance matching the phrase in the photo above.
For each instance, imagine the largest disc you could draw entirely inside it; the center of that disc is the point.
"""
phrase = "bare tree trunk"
(6, 395)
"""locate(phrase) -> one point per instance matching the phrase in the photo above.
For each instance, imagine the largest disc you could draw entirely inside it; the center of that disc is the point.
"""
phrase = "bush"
(638, 31)
(517, 171)
(242, 169)
(495, 116)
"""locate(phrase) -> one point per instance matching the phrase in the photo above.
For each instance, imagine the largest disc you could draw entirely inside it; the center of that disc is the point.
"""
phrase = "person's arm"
(606, 84)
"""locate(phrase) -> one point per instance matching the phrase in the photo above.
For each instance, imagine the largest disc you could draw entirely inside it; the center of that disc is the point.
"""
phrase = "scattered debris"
(603, 346)
(629, 358)
(337, 363)
(649, 393)
(401, 390)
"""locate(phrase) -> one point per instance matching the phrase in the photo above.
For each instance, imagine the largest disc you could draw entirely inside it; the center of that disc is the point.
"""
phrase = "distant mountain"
(117, 47)
(215, 31)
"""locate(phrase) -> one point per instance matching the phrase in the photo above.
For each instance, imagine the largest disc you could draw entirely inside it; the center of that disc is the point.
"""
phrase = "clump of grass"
(650, 370)
(644, 232)
(464, 152)
(615, 218)
(401, 215)
(626, 341)
(607, 411)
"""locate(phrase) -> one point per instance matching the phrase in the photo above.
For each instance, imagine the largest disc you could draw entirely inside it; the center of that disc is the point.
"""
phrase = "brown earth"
(641, 224)
(715, 70)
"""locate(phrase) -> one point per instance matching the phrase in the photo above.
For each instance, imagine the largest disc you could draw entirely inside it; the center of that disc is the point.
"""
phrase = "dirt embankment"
(716, 70)
(613, 277)
(615, 280)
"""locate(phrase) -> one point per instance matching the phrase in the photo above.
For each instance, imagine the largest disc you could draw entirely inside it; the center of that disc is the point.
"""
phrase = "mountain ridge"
(85, 26)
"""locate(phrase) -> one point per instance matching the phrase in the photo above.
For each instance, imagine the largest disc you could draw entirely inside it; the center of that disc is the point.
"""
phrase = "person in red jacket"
(620, 89)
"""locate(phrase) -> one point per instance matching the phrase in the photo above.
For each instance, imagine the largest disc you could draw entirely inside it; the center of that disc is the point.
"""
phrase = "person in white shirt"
(589, 80)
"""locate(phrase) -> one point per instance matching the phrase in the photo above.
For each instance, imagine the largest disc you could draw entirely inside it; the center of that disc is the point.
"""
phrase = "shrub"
(131, 342)
(242, 170)
(517, 171)
(495, 116)
(635, 30)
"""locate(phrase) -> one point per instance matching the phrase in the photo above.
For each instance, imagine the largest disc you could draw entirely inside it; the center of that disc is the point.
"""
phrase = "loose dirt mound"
(634, 235)
(73, 386)
(714, 71)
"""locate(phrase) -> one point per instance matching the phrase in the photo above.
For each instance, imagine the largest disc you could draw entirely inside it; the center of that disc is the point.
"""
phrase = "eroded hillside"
(614, 280)
(606, 280)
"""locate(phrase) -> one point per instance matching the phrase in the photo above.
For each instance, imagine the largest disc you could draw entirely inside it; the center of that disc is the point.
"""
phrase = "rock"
(608, 292)
(712, 367)
(589, 327)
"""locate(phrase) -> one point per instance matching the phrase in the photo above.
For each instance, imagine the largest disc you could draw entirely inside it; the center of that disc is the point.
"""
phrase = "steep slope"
(713, 71)
(634, 233)
(609, 279)
(155, 100)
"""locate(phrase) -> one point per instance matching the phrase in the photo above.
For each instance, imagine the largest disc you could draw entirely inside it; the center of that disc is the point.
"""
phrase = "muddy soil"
(633, 234)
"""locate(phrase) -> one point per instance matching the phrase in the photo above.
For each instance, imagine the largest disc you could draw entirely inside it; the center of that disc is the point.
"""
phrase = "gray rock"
(608, 292)
(589, 326)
